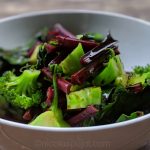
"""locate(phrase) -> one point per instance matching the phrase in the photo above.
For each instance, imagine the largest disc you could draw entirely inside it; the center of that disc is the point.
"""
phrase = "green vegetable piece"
(140, 75)
(79, 36)
(46, 119)
(98, 37)
(33, 58)
(71, 63)
(84, 98)
(53, 42)
(113, 72)
(137, 78)
(53, 117)
(21, 91)
(91, 36)
(133, 115)
(123, 77)
(76, 87)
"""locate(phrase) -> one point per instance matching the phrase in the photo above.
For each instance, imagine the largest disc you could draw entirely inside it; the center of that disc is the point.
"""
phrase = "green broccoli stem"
(53, 117)
(54, 106)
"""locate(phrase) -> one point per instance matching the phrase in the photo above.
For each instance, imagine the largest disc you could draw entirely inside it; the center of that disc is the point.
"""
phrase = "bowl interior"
(133, 35)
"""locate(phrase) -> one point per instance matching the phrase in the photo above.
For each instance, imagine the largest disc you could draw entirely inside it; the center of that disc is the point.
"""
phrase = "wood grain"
(136, 8)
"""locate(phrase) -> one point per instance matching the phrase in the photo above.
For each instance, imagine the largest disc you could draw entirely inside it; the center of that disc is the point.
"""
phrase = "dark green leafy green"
(91, 36)
(42, 35)
(123, 102)
(133, 115)
(14, 57)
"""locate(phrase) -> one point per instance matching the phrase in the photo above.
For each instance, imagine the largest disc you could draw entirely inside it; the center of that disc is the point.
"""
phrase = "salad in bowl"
(59, 79)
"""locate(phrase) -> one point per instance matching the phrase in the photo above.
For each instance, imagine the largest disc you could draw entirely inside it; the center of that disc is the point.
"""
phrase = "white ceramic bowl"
(134, 37)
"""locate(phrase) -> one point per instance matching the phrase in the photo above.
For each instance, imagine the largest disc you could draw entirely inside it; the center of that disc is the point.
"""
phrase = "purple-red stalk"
(96, 52)
(51, 35)
(90, 70)
(90, 56)
(72, 43)
(50, 48)
(63, 84)
(136, 88)
(31, 50)
(63, 54)
(62, 31)
(28, 115)
(85, 114)
(50, 95)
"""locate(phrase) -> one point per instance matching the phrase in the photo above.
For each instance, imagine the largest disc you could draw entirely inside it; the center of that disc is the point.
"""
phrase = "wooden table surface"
(136, 8)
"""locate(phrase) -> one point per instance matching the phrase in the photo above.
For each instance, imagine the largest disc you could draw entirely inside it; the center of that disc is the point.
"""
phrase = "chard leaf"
(33, 58)
(76, 87)
(71, 63)
(111, 72)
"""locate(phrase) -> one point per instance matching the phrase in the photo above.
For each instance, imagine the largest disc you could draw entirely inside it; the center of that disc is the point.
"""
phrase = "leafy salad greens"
(63, 80)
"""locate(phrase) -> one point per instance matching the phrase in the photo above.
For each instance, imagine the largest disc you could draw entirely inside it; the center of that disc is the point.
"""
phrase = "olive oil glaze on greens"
(62, 80)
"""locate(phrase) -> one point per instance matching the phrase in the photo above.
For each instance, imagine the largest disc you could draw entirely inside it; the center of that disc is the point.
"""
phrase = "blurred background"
(136, 8)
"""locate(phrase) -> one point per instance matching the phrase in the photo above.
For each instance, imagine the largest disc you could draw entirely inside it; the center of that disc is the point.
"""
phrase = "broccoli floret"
(140, 75)
(21, 91)
(140, 69)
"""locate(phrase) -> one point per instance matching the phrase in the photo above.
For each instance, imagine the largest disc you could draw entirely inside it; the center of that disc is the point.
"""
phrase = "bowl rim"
(74, 129)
